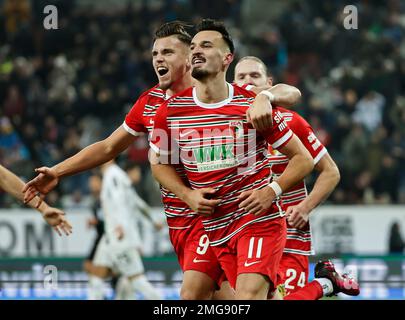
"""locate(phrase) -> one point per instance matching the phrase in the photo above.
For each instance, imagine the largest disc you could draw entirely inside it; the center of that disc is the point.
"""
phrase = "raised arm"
(259, 115)
(13, 185)
(285, 95)
(88, 158)
(95, 154)
(282, 94)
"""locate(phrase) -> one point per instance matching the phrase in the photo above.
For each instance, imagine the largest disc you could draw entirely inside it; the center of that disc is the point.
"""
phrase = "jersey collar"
(217, 104)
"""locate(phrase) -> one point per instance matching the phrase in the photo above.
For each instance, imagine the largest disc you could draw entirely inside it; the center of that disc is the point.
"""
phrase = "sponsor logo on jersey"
(210, 158)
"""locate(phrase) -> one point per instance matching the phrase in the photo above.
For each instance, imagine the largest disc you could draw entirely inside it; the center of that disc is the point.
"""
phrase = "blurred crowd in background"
(61, 90)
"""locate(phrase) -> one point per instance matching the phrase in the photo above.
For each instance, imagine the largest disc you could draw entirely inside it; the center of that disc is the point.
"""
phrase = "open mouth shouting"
(162, 70)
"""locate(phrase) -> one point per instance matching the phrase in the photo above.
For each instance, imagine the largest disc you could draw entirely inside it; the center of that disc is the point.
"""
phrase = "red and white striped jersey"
(298, 240)
(220, 150)
(140, 119)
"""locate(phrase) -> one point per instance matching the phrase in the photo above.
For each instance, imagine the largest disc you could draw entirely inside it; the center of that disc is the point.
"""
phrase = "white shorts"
(119, 256)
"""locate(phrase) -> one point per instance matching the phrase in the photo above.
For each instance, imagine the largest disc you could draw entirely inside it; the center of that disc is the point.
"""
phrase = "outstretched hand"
(41, 185)
(57, 219)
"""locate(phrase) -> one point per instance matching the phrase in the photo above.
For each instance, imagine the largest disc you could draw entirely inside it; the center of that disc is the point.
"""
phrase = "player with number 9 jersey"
(186, 231)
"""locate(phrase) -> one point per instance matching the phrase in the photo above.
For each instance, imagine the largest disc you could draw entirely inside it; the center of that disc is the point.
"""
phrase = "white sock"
(96, 288)
(124, 289)
(326, 285)
(143, 286)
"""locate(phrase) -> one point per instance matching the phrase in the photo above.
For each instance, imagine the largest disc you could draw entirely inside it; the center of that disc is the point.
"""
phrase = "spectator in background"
(386, 184)
(12, 149)
(17, 13)
(369, 111)
(14, 104)
(396, 243)
(354, 150)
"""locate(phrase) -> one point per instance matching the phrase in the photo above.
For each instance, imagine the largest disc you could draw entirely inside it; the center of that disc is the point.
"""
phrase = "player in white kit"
(119, 248)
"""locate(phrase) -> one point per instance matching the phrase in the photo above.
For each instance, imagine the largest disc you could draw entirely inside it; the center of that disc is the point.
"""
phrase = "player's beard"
(199, 74)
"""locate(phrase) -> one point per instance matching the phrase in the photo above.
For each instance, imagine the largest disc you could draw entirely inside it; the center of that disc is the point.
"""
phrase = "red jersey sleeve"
(161, 139)
(134, 119)
(280, 134)
(305, 133)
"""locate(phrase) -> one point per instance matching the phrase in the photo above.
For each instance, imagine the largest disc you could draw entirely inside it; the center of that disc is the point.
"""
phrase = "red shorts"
(194, 252)
(256, 249)
(293, 272)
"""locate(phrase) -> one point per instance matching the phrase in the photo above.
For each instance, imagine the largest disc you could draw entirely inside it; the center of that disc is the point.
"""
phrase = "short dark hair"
(214, 25)
(174, 28)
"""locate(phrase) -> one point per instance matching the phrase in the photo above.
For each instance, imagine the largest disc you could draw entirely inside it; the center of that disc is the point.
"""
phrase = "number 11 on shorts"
(252, 247)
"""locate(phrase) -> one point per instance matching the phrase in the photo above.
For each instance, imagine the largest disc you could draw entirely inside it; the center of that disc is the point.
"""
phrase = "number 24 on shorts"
(291, 275)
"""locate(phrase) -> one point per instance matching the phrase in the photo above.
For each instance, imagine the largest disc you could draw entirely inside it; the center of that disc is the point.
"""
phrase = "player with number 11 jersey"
(220, 150)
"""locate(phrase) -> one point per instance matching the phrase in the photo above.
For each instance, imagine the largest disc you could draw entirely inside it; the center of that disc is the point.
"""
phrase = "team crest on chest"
(236, 128)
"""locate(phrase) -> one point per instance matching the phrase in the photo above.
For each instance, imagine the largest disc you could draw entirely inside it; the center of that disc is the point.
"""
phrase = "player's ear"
(188, 56)
(188, 63)
(228, 59)
(270, 81)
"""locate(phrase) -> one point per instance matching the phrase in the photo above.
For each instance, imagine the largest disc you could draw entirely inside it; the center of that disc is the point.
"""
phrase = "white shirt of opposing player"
(121, 206)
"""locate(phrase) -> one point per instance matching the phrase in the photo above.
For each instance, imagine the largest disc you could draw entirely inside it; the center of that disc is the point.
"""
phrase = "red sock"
(312, 291)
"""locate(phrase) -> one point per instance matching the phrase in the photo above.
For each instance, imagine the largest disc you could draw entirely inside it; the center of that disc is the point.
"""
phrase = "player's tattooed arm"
(326, 182)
